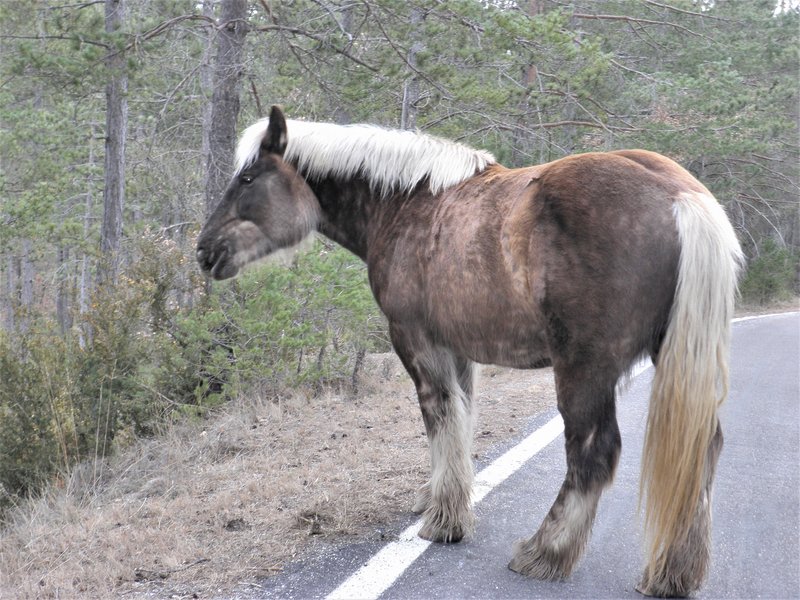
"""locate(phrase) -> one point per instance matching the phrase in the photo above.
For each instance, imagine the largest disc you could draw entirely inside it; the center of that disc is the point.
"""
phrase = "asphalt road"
(756, 539)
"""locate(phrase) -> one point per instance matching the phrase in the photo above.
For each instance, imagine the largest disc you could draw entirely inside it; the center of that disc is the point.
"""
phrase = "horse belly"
(466, 273)
(489, 326)
(512, 345)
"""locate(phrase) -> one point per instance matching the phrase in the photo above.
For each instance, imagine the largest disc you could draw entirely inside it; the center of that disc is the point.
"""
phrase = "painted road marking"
(383, 569)
(783, 314)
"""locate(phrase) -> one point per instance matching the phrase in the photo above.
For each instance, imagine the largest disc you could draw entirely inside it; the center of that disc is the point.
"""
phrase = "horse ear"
(274, 141)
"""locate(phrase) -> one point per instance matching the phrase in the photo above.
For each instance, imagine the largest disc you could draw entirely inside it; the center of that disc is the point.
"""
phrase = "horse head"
(267, 206)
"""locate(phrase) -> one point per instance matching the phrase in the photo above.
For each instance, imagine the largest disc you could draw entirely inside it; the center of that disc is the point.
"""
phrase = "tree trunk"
(63, 290)
(207, 82)
(225, 99)
(524, 148)
(26, 285)
(408, 113)
(11, 293)
(355, 378)
(341, 112)
(116, 131)
(85, 328)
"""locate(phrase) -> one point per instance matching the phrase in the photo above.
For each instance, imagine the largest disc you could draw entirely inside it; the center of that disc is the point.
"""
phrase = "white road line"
(510, 462)
(385, 567)
(782, 314)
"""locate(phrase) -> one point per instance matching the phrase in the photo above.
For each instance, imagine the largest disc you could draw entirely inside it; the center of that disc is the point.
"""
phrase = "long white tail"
(691, 379)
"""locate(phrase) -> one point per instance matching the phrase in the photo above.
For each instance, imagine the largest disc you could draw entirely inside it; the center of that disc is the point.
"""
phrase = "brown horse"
(586, 263)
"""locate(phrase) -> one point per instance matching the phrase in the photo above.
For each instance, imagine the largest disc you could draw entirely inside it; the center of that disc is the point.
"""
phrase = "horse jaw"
(241, 243)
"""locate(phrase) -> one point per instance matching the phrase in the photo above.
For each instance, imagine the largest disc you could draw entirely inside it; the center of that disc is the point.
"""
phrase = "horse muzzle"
(217, 262)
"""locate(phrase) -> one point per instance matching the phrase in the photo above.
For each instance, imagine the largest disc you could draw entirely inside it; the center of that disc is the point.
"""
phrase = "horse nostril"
(204, 259)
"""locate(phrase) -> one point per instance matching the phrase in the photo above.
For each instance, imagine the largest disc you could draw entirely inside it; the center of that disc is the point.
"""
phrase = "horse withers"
(587, 263)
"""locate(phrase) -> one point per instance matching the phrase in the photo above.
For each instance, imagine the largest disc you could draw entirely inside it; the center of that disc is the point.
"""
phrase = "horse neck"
(348, 209)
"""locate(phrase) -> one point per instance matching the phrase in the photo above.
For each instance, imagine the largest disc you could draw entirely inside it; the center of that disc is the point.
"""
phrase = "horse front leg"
(444, 389)
(593, 446)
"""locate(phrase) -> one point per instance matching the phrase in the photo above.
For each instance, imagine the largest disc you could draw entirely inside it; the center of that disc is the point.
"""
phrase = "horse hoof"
(669, 584)
(651, 593)
(650, 590)
(642, 590)
(537, 569)
(451, 535)
(423, 499)
(530, 561)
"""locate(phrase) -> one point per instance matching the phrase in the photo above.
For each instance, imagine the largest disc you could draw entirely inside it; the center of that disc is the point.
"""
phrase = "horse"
(587, 263)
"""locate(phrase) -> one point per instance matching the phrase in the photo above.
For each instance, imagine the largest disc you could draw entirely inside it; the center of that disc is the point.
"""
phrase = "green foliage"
(31, 441)
(66, 397)
(136, 358)
(772, 275)
(275, 328)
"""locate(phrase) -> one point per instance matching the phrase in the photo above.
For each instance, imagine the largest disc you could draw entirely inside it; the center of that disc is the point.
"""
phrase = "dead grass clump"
(776, 306)
(208, 507)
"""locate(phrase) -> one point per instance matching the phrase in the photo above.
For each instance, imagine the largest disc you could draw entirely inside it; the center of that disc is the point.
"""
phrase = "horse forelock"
(391, 160)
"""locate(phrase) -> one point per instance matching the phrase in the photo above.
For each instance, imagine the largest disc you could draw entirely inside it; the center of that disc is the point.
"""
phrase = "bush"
(31, 439)
(275, 328)
(137, 358)
(65, 399)
(771, 276)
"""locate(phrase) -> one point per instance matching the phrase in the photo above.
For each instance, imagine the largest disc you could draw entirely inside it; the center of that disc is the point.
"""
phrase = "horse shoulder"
(399, 240)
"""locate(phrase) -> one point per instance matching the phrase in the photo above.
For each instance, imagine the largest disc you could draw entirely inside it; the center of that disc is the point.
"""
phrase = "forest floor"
(208, 509)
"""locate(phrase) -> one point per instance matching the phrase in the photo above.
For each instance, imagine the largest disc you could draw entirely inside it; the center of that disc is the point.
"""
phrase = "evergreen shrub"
(771, 276)
(138, 358)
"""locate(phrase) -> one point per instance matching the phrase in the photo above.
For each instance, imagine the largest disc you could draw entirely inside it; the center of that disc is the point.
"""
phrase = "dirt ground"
(208, 511)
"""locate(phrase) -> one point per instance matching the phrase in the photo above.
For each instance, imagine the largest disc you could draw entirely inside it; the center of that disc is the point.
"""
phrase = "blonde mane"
(391, 160)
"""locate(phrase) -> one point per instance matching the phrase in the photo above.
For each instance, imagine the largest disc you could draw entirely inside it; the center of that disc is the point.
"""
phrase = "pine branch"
(639, 20)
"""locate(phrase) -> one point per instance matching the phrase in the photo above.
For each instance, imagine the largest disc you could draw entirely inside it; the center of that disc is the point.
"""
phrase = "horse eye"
(247, 179)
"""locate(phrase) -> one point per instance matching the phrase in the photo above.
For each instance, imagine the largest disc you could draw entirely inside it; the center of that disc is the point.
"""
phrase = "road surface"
(756, 538)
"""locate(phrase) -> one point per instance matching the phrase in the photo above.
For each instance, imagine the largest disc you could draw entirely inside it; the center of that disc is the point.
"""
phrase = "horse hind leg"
(682, 567)
(592, 446)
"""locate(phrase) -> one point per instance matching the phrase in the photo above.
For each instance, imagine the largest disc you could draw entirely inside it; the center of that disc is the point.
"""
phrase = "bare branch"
(79, 6)
(302, 32)
(256, 97)
(592, 124)
(551, 125)
(66, 38)
(638, 20)
(404, 57)
(320, 39)
(761, 214)
(328, 10)
(684, 11)
(165, 25)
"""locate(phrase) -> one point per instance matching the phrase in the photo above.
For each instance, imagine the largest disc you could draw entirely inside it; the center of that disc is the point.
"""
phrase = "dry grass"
(777, 306)
(209, 508)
